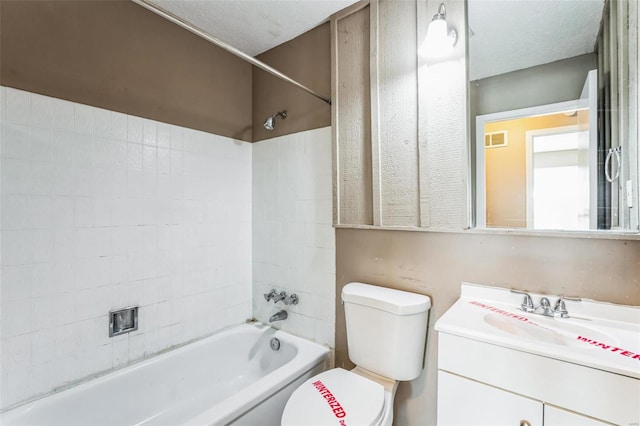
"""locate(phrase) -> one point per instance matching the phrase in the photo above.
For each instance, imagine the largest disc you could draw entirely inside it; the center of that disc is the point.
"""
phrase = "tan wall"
(117, 55)
(307, 59)
(436, 263)
(506, 172)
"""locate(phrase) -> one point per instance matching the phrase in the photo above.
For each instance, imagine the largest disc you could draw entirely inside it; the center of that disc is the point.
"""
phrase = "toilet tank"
(386, 329)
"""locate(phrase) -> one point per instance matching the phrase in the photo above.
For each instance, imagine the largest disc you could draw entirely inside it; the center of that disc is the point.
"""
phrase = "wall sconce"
(440, 39)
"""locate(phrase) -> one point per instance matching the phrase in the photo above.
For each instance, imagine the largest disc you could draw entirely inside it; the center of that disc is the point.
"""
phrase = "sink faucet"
(559, 308)
(545, 306)
(278, 316)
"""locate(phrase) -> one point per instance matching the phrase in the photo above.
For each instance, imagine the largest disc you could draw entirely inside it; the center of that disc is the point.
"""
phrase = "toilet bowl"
(386, 335)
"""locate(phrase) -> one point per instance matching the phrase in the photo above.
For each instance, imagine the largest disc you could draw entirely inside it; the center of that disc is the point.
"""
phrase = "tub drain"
(275, 344)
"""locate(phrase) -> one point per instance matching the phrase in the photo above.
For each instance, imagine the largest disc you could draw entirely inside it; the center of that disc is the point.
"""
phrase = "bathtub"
(233, 377)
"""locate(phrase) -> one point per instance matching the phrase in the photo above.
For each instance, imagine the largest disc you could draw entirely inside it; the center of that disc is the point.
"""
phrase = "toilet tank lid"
(394, 301)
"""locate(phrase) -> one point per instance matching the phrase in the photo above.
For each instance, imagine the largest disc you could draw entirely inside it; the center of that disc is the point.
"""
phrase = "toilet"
(386, 333)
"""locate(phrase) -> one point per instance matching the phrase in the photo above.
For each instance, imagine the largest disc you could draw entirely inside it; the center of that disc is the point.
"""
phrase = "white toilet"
(386, 332)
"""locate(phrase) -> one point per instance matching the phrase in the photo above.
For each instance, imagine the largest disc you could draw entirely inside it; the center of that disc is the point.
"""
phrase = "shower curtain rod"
(205, 35)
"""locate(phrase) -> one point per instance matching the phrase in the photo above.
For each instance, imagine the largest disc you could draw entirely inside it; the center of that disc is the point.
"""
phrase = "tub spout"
(278, 316)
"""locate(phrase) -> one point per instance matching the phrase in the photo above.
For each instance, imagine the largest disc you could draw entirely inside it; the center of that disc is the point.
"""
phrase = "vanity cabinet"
(484, 384)
(462, 401)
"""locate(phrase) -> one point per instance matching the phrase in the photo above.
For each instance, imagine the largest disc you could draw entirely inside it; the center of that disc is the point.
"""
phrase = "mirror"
(553, 99)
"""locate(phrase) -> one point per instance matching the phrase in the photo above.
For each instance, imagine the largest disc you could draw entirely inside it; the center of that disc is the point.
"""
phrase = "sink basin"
(564, 332)
(599, 335)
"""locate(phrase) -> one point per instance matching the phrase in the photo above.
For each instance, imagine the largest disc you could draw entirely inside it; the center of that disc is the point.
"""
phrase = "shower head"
(270, 122)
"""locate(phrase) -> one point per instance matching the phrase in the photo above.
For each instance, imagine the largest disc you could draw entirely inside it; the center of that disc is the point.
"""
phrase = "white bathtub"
(233, 377)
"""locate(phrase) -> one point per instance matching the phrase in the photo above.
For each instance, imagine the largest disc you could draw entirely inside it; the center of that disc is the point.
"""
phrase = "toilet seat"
(335, 397)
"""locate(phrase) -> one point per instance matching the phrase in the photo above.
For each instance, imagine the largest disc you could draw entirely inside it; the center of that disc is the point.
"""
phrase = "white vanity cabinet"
(462, 401)
(498, 366)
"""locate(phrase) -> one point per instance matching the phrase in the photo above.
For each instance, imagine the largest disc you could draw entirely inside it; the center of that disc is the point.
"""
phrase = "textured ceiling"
(509, 35)
(254, 26)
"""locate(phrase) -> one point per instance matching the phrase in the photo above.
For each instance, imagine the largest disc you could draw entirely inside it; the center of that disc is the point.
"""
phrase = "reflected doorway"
(558, 178)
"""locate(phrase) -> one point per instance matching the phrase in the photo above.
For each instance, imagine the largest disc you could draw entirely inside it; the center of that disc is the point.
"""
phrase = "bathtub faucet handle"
(291, 300)
(281, 296)
(272, 294)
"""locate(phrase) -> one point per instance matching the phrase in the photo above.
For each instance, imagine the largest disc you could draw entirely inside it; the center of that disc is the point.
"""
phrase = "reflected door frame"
(482, 120)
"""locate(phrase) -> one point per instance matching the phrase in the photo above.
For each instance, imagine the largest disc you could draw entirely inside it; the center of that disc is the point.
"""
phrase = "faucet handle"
(280, 296)
(268, 296)
(527, 302)
(291, 300)
(560, 308)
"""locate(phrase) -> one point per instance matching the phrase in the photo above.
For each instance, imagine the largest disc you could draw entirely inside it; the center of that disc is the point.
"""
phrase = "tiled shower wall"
(101, 210)
(293, 237)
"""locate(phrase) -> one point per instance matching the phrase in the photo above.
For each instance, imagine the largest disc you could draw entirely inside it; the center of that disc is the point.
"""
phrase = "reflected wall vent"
(495, 139)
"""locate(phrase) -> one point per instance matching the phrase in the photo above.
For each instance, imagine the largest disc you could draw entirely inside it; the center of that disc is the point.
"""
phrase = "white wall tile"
(63, 212)
(41, 212)
(149, 132)
(16, 176)
(43, 346)
(63, 180)
(164, 135)
(16, 141)
(16, 353)
(293, 239)
(149, 158)
(41, 178)
(17, 318)
(16, 284)
(134, 156)
(41, 111)
(101, 122)
(42, 279)
(93, 219)
(40, 144)
(63, 145)
(18, 106)
(176, 138)
(63, 115)
(83, 119)
(15, 212)
(43, 311)
(82, 149)
(118, 126)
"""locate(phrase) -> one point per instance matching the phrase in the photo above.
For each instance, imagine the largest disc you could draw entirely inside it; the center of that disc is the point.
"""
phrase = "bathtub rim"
(316, 353)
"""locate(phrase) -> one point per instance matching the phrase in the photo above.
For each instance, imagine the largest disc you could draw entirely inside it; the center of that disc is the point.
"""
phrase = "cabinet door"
(554, 416)
(465, 402)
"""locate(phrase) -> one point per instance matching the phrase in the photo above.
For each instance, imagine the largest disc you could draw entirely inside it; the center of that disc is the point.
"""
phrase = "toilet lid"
(335, 397)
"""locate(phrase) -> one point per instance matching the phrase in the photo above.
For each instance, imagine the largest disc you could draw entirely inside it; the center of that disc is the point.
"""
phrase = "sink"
(563, 332)
(596, 334)
(510, 361)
